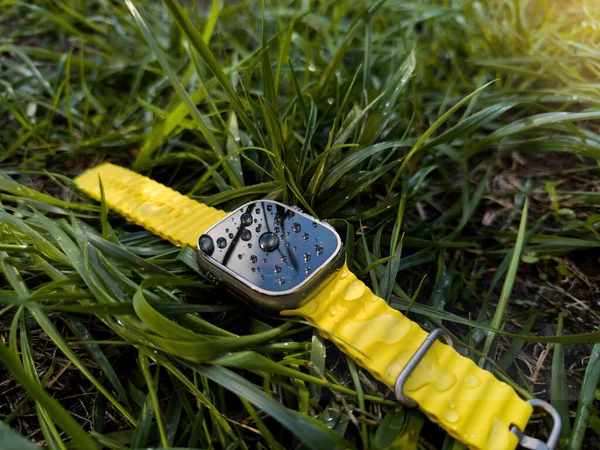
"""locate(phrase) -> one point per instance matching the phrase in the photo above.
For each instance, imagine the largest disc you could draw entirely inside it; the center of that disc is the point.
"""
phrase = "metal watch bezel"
(272, 300)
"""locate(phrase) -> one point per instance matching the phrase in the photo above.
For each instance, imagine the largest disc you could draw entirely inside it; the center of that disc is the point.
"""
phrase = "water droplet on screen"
(278, 219)
(257, 210)
(307, 270)
(262, 277)
(257, 229)
(268, 241)
(249, 245)
(246, 235)
(253, 259)
(253, 269)
(294, 248)
(314, 224)
(277, 268)
(255, 220)
(226, 230)
(305, 236)
(296, 227)
(318, 249)
(283, 258)
(239, 256)
(230, 235)
(306, 257)
(221, 242)
(264, 260)
(281, 280)
(269, 208)
(276, 230)
(206, 244)
(246, 219)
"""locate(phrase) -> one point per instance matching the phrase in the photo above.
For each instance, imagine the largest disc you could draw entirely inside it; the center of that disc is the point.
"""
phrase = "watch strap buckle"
(536, 444)
(414, 360)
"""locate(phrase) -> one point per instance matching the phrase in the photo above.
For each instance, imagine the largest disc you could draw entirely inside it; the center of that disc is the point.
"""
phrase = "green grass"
(452, 143)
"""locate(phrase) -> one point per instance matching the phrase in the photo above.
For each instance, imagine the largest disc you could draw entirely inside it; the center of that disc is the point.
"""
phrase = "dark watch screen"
(271, 246)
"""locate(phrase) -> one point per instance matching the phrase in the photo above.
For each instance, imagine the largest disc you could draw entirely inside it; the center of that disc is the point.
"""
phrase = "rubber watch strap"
(467, 401)
(158, 208)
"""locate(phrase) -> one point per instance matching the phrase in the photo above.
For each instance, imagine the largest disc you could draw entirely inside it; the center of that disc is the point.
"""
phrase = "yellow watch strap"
(467, 401)
(156, 207)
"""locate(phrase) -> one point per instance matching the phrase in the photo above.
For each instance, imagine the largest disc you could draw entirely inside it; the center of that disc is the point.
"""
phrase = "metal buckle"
(414, 361)
(533, 443)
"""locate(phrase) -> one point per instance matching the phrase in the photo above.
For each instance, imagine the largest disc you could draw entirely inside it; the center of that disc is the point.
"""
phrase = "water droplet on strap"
(472, 381)
(354, 290)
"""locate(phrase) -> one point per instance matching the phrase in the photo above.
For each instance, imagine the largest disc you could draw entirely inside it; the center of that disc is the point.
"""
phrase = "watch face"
(270, 248)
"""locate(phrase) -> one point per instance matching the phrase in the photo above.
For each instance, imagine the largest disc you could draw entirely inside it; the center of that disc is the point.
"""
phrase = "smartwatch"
(283, 261)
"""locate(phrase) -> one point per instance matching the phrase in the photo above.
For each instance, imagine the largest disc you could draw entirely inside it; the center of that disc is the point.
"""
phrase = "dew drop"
(221, 242)
(230, 235)
(345, 273)
(354, 290)
(318, 249)
(226, 230)
(294, 248)
(249, 245)
(262, 277)
(314, 224)
(472, 381)
(276, 268)
(333, 310)
(307, 271)
(296, 227)
(257, 210)
(281, 280)
(240, 256)
(269, 208)
(452, 416)
(253, 269)
(264, 260)
(277, 219)
(306, 257)
(305, 236)
(283, 258)
(257, 229)
(246, 235)
(246, 219)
